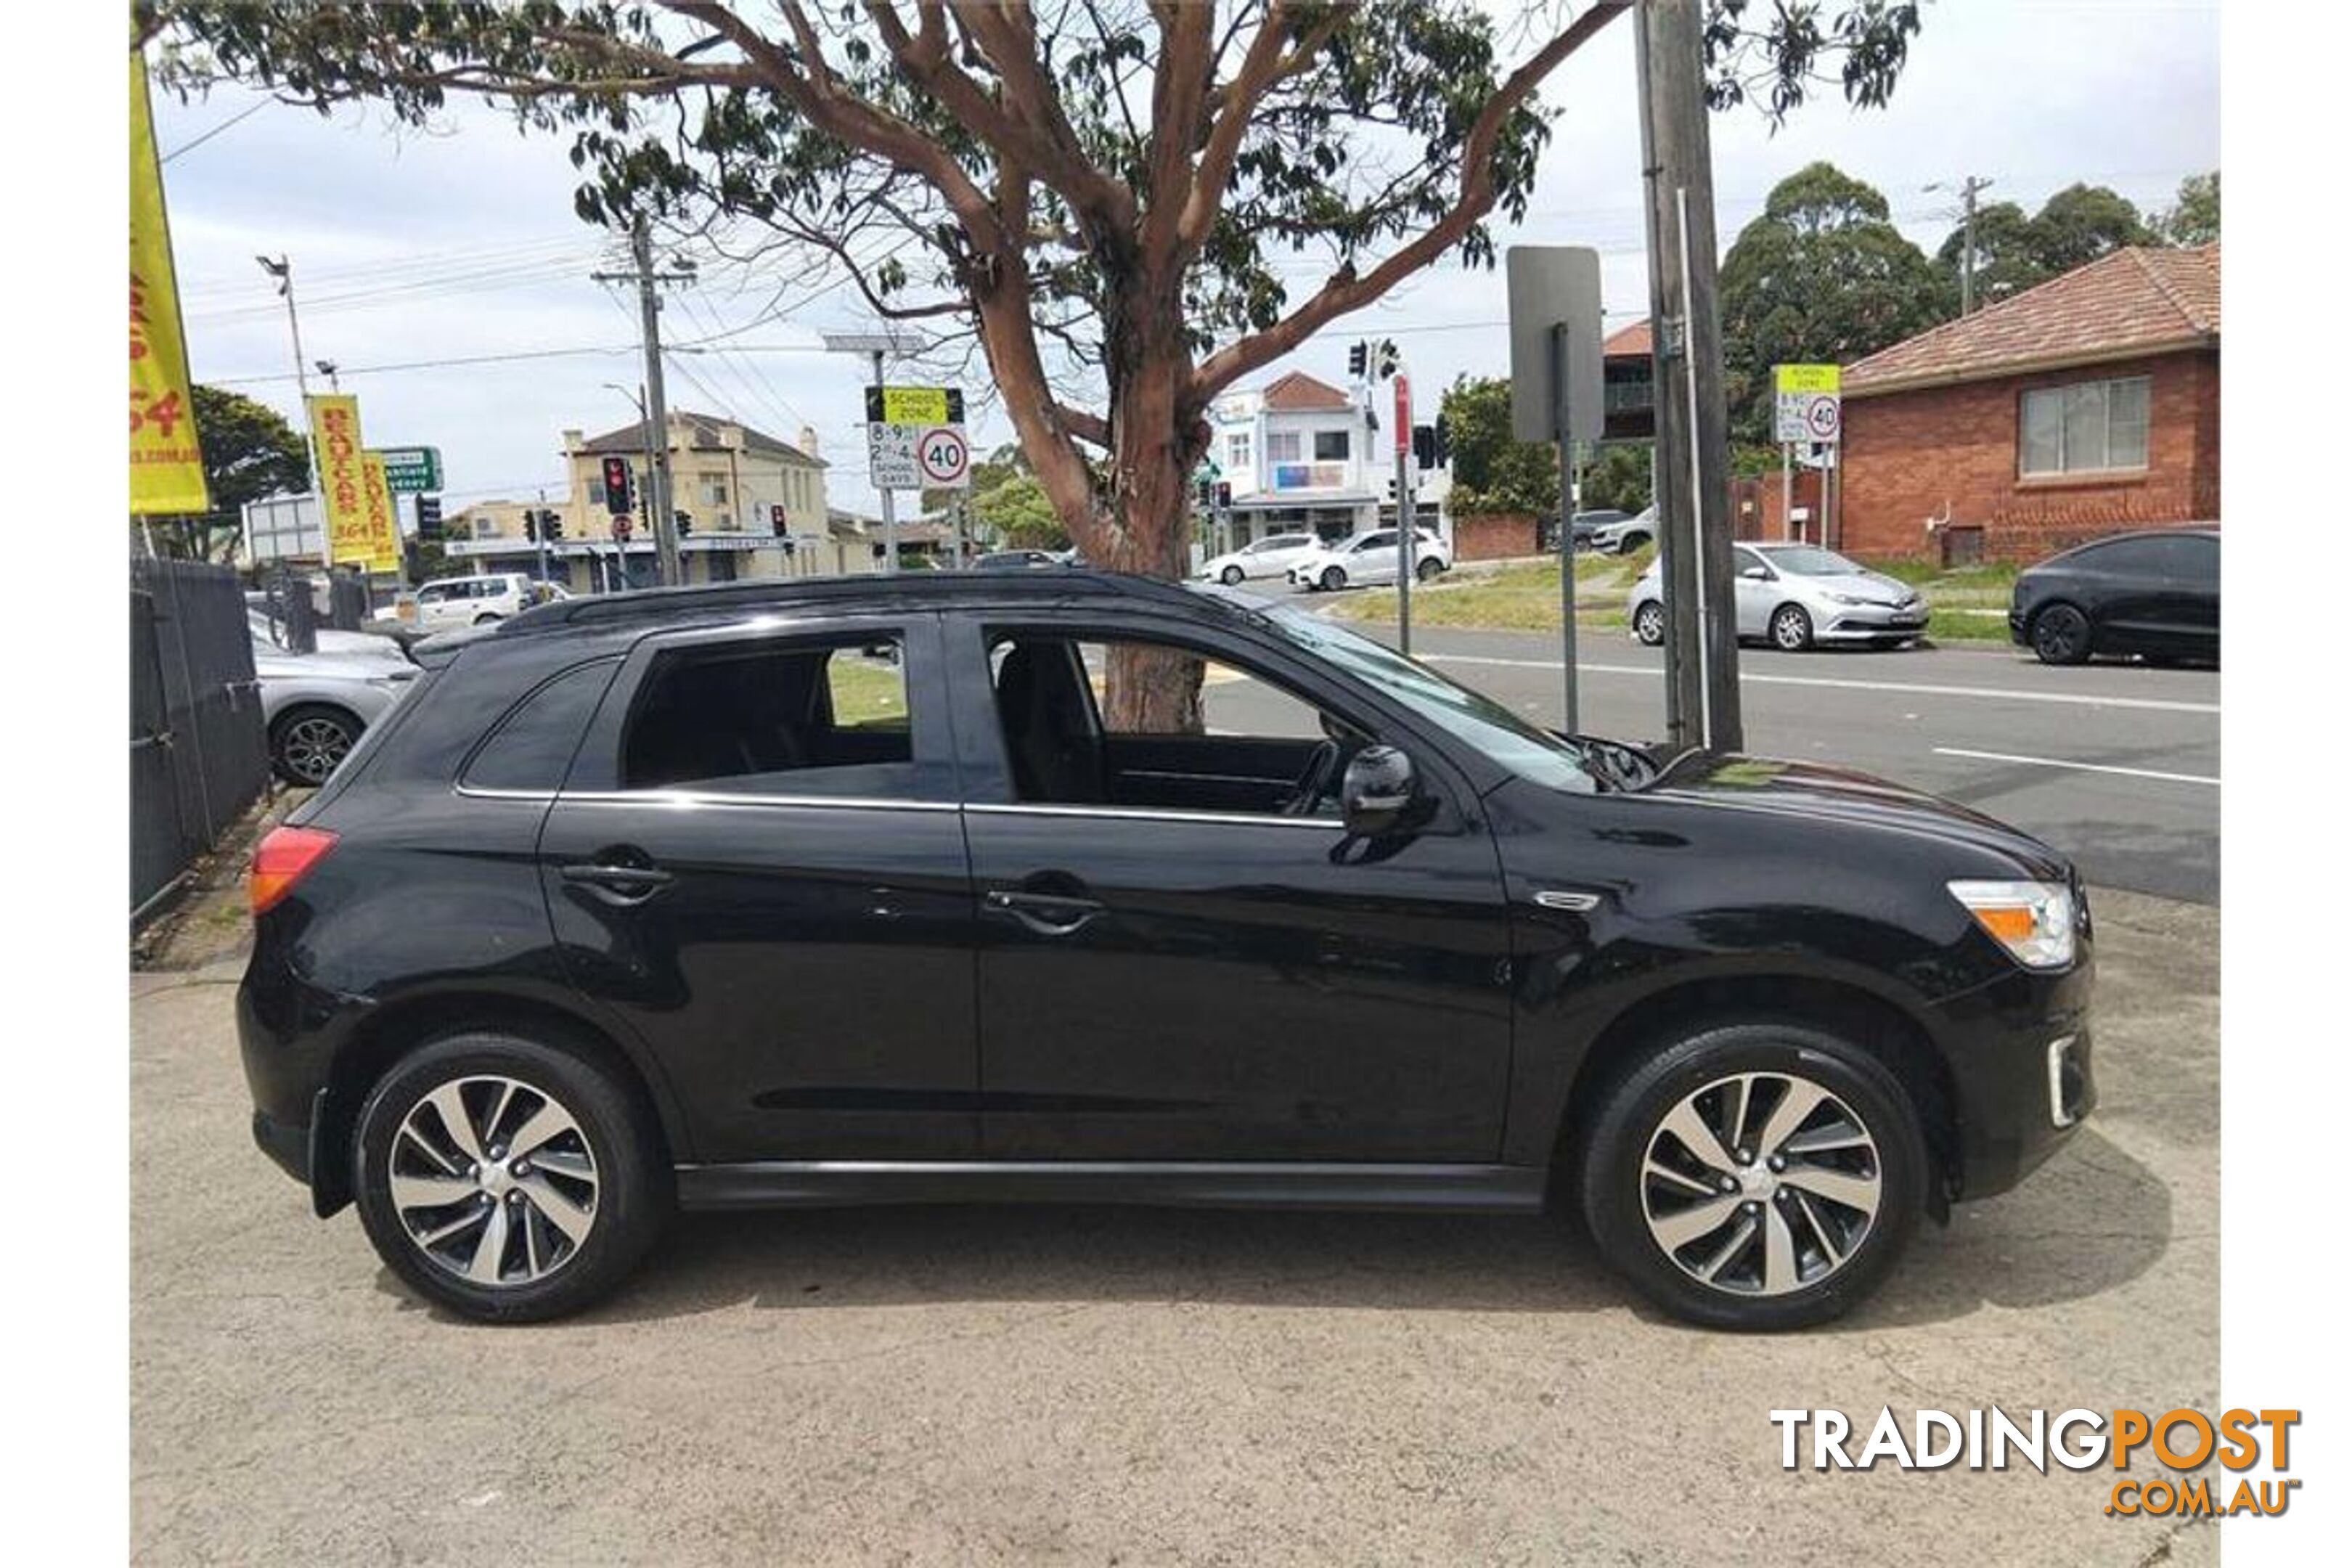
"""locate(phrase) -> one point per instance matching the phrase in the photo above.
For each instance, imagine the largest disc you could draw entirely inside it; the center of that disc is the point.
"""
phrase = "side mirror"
(1378, 792)
(1758, 572)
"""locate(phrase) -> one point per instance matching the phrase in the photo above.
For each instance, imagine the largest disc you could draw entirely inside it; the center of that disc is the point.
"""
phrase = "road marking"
(2080, 767)
(2083, 699)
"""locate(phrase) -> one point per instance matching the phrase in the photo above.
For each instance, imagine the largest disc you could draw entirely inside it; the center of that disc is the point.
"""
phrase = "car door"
(2127, 586)
(1372, 558)
(1170, 967)
(1753, 584)
(2192, 613)
(757, 863)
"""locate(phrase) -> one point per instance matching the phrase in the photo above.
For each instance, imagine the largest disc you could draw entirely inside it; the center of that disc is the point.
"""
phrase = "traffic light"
(617, 498)
(1202, 492)
(429, 517)
(776, 520)
(684, 523)
(551, 525)
(1224, 496)
(1445, 443)
(530, 525)
(1384, 363)
(1357, 353)
(1424, 445)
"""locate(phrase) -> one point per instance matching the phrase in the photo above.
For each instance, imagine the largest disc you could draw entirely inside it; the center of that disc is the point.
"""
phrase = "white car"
(471, 601)
(315, 706)
(1272, 556)
(1372, 558)
(366, 644)
(1797, 597)
(1626, 537)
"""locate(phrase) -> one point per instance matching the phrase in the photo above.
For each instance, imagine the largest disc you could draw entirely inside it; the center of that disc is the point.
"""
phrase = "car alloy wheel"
(1231, 576)
(1650, 623)
(1792, 629)
(2061, 635)
(1760, 1183)
(1334, 579)
(494, 1181)
(1427, 570)
(313, 742)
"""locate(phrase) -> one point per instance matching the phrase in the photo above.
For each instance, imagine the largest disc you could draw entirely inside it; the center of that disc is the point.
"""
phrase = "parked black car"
(857, 891)
(2156, 595)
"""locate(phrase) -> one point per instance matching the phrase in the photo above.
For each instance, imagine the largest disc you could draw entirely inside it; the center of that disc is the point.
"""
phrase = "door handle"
(617, 884)
(1047, 914)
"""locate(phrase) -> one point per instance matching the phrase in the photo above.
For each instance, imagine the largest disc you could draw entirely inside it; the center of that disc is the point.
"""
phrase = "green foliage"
(2082, 223)
(1492, 472)
(1618, 478)
(1821, 277)
(1753, 460)
(2195, 216)
(1008, 503)
(2076, 226)
(250, 453)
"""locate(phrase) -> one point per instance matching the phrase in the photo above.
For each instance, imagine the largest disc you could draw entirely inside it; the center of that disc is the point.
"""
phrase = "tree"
(1822, 276)
(2082, 223)
(249, 452)
(1011, 504)
(1112, 201)
(2195, 216)
(2006, 258)
(1492, 472)
(1619, 478)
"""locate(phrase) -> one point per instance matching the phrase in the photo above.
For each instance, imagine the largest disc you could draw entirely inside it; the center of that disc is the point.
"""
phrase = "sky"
(411, 249)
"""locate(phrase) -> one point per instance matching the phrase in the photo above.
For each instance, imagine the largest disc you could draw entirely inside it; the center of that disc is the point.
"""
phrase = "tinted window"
(2134, 556)
(532, 748)
(786, 716)
(2190, 558)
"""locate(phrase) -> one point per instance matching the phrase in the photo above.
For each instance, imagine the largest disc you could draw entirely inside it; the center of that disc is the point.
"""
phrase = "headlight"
(2035, 921)
(1848, 599)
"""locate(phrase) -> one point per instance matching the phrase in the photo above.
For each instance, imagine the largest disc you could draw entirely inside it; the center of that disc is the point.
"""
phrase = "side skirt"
(835, 1184)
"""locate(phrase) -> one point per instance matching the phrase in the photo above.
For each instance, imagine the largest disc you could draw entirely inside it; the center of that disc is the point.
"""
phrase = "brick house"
(2088, 405)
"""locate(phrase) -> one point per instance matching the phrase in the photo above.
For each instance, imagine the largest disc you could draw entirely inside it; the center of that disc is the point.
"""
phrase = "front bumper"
(2019, 1053)
(1870, 623)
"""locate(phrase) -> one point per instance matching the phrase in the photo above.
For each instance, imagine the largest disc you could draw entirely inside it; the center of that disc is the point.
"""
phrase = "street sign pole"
(1406, 548)
(890, 499)
(1563, 433)
(1787, 495)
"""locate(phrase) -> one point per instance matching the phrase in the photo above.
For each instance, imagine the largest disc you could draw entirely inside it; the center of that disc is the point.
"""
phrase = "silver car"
(314, 706)
(1795, 596)
(1272, 556)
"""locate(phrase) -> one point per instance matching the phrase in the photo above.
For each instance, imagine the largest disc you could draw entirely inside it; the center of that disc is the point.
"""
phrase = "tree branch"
(1264, 65)
(1348, 291)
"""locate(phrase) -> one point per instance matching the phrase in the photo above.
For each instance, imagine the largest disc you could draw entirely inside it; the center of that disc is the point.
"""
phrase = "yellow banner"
(914, 406)
(383, 522)
(167, 467)
(1810, 378)
(343, 478)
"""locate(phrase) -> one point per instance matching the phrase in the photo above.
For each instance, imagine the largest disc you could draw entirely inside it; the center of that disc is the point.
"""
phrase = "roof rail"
(916, 587)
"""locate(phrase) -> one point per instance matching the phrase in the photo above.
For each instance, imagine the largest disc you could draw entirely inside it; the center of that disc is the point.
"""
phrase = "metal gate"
(198, 758)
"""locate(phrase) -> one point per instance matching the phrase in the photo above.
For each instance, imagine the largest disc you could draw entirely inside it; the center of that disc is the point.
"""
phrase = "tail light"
(280, 862)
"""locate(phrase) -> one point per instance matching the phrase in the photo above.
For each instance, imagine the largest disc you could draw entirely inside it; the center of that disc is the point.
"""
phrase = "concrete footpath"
(1107, 1385)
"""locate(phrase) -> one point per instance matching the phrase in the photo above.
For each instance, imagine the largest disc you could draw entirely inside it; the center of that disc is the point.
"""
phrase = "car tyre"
(1792, 628)
(485, 619)
(308, 742)
(1632, 542)
(567, 1234)
(1650, 623)
(1231, 576)
(1807, 1258)
(2061, 633)
(1333, 579)
(1428, 569)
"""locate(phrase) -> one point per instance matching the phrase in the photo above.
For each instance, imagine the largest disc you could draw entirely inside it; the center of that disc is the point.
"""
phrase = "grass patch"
(1523, 597)
(1947, 623)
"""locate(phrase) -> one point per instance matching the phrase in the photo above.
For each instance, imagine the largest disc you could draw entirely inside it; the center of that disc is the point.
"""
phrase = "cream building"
(756, 507)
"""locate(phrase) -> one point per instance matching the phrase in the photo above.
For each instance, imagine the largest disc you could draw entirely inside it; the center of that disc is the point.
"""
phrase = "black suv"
(864, 891)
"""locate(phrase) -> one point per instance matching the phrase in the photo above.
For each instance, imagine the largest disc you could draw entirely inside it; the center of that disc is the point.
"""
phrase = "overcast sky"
(415, 248)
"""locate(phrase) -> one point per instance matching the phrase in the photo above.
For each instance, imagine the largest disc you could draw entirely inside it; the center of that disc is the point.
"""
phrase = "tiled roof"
(2134, 301)
(1299, 390)
(1627, 341)
(702, 433)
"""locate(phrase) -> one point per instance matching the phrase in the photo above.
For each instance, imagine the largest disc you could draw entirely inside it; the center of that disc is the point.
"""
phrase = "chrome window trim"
(682, 799)
(1147, 814)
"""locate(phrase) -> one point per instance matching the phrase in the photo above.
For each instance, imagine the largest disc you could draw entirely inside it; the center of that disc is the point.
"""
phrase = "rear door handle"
(1047, 914)
(618, 884)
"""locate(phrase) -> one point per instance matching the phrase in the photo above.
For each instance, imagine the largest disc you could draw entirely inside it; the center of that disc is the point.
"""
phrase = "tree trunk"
(1157, 442)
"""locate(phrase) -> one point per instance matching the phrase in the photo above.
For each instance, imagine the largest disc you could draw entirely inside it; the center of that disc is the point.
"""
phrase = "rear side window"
(531, 748)
(776, 717)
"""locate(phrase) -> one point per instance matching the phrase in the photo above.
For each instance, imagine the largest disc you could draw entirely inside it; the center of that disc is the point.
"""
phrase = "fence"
(198, 757)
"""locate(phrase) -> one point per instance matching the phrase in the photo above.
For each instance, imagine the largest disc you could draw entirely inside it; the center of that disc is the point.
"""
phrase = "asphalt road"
(2117, 765)
(1101, 1385)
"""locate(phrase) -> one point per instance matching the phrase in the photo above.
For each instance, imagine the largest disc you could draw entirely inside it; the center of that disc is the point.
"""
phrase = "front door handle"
(617, 884)
(1047, 914)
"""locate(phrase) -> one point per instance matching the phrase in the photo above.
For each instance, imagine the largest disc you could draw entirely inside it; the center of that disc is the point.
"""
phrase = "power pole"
(282, 269)
(1692, 451)
(664, 518)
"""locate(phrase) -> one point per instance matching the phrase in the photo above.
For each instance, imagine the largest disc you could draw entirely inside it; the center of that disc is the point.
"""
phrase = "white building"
(1299, 456)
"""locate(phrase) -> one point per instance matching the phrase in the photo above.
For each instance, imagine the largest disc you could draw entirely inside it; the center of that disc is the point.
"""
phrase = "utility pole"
(1408, 547)
(1571, 497)
(1967, 189)
(283, 271)
(1693, 452)
(657, 412)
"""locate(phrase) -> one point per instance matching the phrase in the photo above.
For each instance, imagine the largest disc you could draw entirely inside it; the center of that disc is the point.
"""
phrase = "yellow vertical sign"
(383, 522)
(167, 467)
(343, 478)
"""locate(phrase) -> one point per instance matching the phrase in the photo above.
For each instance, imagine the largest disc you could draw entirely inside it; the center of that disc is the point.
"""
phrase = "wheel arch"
(301, 705)
(389, 1033)
(1883, 1027)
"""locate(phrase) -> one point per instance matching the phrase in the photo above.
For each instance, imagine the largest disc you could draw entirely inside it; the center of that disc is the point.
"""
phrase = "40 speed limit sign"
(945, 458)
